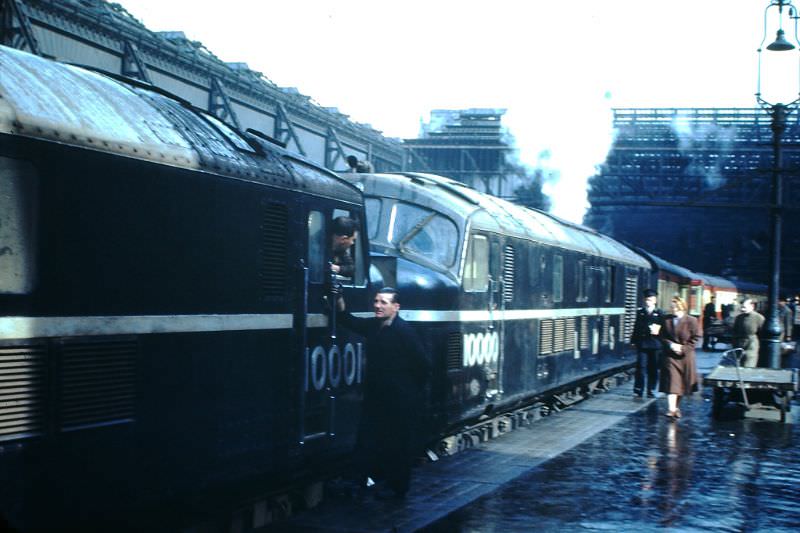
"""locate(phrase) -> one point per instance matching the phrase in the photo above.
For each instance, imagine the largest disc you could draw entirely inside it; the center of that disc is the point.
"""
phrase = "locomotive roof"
(465, 205)
(44, 99)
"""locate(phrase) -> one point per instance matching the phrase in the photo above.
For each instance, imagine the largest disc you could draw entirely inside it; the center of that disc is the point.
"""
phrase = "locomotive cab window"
(373, 210)
(317, 258)
(476, 266)
(18, 192)
(414, 231)
(347, 251)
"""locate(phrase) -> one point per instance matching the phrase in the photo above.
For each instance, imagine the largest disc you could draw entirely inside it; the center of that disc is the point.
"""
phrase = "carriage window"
(558, 278)
(581, 273)
(316, 247)
(476, 268)
(373, 207)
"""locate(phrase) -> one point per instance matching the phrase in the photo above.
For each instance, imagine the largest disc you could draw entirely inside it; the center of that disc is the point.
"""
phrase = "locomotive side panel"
(160, 338)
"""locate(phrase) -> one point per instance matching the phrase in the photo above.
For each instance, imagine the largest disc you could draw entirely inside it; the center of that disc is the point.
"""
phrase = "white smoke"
(703, 138)
(567, 144)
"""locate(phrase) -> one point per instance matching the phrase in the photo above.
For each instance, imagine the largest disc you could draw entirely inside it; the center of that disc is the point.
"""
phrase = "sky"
(558, 67)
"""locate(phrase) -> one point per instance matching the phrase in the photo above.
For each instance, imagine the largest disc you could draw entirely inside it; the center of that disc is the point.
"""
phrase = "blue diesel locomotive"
(512, 303)
(162, 334)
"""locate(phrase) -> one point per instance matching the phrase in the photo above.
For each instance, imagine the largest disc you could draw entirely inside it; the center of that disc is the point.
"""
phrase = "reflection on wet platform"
(609, 463)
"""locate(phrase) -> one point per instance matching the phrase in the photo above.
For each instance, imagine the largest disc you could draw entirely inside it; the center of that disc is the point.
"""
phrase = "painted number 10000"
(480, 348)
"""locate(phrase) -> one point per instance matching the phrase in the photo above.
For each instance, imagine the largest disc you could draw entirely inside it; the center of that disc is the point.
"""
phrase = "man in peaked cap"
(649, 320)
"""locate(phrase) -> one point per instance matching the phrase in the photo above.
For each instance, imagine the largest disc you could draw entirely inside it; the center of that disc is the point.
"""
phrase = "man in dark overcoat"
(709, 315)
(649, 320)
(397, 371)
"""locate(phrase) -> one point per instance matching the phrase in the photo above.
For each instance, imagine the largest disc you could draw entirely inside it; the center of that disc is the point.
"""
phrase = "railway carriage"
(162, 335)
(512, 303)
(672, 280)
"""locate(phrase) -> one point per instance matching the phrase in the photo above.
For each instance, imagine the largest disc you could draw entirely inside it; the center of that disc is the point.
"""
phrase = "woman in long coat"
(679, 334)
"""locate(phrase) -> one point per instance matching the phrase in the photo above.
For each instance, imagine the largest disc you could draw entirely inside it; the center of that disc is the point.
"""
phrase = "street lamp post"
(771, 348)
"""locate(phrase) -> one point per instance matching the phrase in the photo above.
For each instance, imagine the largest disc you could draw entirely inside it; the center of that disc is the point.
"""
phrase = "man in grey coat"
(746, 328)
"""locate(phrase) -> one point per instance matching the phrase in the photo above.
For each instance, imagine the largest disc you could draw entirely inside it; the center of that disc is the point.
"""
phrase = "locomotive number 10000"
(480, 348)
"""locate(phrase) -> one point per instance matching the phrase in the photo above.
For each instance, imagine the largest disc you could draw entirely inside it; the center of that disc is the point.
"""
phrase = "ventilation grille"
(546, 337)
(569, 340)
(23, 374)
(604, 338)
(98, 383)
(584, 333)
(454, 351)
(631, 290)
(274, 250)
(558, 335)
(508, 273)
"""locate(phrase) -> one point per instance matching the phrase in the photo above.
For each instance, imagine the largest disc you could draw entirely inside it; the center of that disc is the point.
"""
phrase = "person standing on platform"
(646, 328)
(709, 314)
(786, 319)
(746, 328)
(394, 392)
(679, 368)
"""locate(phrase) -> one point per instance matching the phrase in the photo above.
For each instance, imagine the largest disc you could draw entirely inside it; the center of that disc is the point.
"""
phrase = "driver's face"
(384, 306)
(343, 242)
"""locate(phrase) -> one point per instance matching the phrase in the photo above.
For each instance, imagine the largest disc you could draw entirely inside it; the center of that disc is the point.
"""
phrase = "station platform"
(441, 487)
(458, 483)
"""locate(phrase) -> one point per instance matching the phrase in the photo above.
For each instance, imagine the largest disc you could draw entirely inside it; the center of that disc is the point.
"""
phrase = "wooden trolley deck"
(730, 380)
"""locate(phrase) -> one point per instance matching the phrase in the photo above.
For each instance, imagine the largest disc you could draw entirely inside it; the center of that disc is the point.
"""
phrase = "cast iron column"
(771, 351)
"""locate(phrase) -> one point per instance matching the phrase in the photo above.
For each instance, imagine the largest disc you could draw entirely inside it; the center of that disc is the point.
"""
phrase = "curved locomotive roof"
(52, 101)
(465, 205)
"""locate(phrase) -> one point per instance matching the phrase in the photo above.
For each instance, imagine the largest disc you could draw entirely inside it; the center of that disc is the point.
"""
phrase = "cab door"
(481, 338)
(333, 359)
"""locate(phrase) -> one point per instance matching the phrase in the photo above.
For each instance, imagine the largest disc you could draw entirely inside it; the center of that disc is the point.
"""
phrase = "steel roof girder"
(284, 130)
(15, 27)
(219, 104)
(132, 64)
(333, 148)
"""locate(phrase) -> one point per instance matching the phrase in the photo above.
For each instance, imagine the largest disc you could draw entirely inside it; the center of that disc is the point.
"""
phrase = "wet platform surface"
(610, 463)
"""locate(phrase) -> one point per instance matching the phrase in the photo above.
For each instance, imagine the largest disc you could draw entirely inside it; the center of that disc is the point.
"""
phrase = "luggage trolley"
(732, 382)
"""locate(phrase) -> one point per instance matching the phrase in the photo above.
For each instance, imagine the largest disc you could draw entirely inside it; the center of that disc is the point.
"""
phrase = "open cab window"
(320, 249)
(356, 251)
